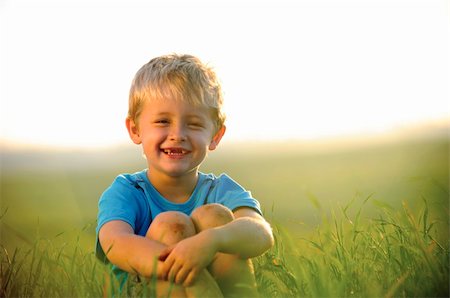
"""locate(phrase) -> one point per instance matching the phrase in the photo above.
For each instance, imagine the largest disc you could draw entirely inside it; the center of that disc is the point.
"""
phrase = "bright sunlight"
(290, 70)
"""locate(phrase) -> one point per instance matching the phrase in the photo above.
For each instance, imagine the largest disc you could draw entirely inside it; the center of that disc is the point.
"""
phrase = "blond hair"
(179, 77)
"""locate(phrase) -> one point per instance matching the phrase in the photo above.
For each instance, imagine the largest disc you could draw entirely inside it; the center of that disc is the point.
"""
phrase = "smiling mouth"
(175, 151)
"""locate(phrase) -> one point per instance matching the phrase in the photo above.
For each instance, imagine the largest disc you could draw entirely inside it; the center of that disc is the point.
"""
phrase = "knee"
(171, 227)
(210, 216)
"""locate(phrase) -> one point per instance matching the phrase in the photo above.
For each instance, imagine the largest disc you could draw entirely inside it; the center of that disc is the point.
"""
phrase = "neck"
(174, 189)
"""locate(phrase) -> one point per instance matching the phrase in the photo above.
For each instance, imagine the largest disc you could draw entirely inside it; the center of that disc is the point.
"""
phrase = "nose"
(177, 133)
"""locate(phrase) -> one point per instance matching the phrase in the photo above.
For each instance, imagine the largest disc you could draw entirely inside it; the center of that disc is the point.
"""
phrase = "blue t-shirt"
(133, 199)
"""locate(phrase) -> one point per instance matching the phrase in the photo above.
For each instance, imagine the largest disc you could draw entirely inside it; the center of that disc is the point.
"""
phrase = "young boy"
(192, 229)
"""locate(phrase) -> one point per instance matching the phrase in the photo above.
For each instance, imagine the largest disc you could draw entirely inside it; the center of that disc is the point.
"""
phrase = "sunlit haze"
(290, 69)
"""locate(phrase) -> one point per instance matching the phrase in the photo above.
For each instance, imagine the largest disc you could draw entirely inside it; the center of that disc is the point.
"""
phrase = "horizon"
(423, 129)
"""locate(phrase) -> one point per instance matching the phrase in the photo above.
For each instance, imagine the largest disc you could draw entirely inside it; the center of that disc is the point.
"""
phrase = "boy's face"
(175, 136)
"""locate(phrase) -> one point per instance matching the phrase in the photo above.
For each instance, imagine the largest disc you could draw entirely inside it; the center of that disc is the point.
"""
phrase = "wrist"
(215, 238)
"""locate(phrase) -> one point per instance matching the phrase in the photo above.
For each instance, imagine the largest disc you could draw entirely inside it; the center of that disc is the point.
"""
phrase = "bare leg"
(234, 275)
(169, 228)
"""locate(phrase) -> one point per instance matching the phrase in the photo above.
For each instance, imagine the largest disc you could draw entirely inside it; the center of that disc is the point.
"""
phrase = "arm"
(130, 252)
(137, 254)
(248, 236)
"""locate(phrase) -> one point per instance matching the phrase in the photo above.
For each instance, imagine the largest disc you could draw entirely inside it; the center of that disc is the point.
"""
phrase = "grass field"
(366, 220)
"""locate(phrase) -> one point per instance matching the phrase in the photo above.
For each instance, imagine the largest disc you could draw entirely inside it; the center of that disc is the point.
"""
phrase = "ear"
(217, 137)
(133, 131)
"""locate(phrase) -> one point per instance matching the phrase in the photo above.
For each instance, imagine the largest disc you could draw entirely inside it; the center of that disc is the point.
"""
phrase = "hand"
(186, 259)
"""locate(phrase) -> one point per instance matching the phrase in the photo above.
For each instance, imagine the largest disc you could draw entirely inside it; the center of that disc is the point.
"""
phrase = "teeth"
(174, 152)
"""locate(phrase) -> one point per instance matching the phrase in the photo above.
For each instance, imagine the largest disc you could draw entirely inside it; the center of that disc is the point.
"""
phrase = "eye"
(195, 125)
(162, 122)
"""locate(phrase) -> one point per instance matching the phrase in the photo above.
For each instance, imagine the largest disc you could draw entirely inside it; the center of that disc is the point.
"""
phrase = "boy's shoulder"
(125, 187)
(224, 190)
(223, 181)
(133, 180)
(211, 177)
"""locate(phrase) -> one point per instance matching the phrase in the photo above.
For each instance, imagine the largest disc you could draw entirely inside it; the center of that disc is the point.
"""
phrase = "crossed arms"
(247, 235)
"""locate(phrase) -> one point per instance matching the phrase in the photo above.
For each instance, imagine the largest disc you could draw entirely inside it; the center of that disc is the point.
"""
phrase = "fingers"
(178, 272)
(174, 271)
(181, 276)
(167, 267)
(190, 278)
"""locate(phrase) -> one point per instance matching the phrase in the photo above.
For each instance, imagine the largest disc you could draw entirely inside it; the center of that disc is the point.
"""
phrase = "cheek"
(203, 140)
(151, 140)
(153, 134)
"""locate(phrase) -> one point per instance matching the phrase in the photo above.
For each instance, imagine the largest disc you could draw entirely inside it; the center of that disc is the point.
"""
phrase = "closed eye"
(162, 121)
(196, 125)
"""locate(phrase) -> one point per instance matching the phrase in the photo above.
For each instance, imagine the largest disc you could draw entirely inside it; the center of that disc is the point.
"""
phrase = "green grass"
(392, 254)
(368, 221)
(395, 253)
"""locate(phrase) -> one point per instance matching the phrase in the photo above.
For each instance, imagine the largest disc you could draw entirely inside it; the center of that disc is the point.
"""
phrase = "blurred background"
(327, 102)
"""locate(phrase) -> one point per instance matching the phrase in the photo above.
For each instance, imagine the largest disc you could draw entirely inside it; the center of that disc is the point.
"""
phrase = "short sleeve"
(119, 202)
(232, 195)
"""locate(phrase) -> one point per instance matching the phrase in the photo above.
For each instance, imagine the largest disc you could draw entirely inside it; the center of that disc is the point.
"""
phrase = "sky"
(289, 69)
